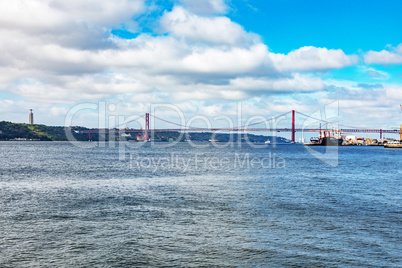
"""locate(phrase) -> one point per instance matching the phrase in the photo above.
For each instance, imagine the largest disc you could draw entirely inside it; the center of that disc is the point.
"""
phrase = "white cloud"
(393, 92)
(312, 59)
(376, 106)
(105, 13)
(376, 74)
(294, 83)
(46, 93)
(213, 30)
(58, 111)
(243, 88)
(173, 56)
(49, 15)
(234, 60)
(205, 94)
(74, 23)
(384, 57)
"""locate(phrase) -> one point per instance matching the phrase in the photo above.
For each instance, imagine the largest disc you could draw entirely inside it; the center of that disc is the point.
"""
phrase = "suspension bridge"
(247, 128)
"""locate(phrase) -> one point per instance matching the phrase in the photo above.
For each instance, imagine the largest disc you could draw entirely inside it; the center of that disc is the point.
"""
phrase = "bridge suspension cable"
(133, 120)
(321, 120)
(329, 122)
(265, 121)
(229, 129)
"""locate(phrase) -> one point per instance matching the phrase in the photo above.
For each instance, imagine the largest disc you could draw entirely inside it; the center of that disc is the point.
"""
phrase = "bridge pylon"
(293, 126)
(146, 136)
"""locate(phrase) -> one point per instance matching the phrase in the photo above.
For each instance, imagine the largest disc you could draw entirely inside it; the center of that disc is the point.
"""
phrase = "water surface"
(61, 205)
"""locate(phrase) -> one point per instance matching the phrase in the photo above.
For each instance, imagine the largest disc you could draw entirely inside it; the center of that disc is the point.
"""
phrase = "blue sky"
(350, 25)
(204, 57)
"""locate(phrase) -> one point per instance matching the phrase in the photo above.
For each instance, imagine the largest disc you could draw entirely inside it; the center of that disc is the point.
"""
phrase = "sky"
(206, 58)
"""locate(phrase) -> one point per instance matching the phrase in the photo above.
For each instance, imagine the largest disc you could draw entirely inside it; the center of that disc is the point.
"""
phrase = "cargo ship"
(326, 139)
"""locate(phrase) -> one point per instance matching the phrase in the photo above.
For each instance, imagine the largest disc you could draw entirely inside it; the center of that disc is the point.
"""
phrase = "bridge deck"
(228, 130)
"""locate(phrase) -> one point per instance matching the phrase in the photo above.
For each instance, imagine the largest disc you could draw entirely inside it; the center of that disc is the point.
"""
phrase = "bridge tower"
(293, 126)
(146, 136)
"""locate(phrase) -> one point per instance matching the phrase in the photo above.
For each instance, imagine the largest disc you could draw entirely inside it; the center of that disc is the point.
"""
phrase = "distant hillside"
(12, 131)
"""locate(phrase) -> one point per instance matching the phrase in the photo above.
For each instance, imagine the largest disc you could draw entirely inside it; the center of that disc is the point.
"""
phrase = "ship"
(267, 142)
(326, 139)
(393, 144)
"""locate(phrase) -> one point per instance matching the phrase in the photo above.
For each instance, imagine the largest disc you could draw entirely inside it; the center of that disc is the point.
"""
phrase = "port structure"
(244, 129)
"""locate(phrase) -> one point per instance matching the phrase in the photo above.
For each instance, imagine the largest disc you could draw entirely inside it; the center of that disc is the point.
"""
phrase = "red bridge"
(247, 128)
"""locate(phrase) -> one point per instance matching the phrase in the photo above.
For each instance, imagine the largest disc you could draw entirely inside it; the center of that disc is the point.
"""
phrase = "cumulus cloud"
(83, 24)
(46, 93)
(294, 83)
(234, 60)
(104, 13)
(50, 15)
(214, 30)
(385, 56)
(242, 88)
(313, 59)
